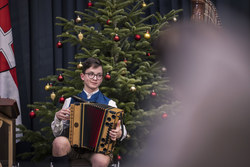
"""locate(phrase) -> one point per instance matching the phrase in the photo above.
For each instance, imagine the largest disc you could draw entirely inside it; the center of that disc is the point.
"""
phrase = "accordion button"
(103, 140)
(109, 119)
(76, 124)
(102, 145)
(107, 124)
(113, 116)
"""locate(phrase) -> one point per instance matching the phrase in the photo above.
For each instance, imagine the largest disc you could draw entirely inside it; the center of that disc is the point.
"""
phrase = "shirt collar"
(89, 95)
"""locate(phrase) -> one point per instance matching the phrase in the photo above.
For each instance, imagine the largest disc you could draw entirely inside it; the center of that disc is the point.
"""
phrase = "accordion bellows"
(90, 124)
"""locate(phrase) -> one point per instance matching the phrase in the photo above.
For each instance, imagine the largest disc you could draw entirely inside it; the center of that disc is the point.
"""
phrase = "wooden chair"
(205, 11)
(8, 113)
(80, 162)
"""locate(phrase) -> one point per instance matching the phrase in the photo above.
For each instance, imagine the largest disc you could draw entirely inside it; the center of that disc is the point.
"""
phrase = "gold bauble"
(78, 19)
(80, 36)
(133, 88)
(147, 35)
(53, 96)
(47, 86)
(79, 66)
(144, 4)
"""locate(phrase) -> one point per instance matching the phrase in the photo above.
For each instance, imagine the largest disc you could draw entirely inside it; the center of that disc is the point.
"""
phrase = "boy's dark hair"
(91, 62)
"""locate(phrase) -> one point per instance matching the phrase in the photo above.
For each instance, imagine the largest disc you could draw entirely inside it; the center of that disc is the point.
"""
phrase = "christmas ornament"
(60, 78)
(59, 44)
(164, 115)
(90, 4)
(53, 96)
(119, 157)
(174, 19)
(32, 114)
(163, 69)
(108, 22)
(147, 35)
(116, 38)
(80, 36)
(50, 84)
(137, 37)
(144, 4)
(153, 93)
(47, 86)
(107, 77)
(133, 88)
(36, 109)
(148, 54)
(61, 99)
(125, 60)
(78, 19)
(79, 66)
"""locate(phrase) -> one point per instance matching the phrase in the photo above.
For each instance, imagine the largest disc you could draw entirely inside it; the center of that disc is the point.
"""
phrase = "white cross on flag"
(8, 78)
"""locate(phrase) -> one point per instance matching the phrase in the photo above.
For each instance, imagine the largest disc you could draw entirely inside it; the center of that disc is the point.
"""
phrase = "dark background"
(34, 33)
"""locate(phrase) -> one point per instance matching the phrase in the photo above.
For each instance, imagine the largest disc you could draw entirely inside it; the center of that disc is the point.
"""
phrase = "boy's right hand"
(63, 114)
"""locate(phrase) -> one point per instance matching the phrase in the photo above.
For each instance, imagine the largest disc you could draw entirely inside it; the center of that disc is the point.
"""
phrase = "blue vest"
(98, 97)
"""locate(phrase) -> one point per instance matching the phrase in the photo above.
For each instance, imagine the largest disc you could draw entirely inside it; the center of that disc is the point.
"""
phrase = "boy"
(92, 77)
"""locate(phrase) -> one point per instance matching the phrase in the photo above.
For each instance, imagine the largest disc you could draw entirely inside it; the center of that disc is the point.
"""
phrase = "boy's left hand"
(117, 132)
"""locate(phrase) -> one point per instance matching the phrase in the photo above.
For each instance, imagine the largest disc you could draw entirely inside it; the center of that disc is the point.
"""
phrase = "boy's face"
(92, 84)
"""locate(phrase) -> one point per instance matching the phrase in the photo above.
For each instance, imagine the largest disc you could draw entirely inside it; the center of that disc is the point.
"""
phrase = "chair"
(205, 11)
(80, 162)
(8, 113)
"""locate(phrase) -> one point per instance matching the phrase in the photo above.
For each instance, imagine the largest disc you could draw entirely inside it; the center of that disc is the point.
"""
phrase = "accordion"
(90, 124)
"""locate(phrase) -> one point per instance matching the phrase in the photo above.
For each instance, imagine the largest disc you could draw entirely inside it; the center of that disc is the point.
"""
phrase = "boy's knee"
(100, 160)
(61, 146)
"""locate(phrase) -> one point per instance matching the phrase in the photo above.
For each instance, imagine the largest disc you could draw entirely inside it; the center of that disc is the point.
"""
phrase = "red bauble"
(59, 44)
(164, 115)
(148, 54)
(125, 60)
(32, 114)
(90, 4)
(153, 93)
(137, 37)
(60, 78)
(36, 109)
(107, 77)
(119, 157)
(108, 22)
(61, 100)
(116, 38)
(50, 84)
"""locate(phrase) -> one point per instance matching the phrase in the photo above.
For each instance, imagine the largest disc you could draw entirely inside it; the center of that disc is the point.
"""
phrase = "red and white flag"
(8, 77)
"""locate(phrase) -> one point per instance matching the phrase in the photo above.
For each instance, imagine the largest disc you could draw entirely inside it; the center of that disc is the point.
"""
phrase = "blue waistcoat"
(98, 97)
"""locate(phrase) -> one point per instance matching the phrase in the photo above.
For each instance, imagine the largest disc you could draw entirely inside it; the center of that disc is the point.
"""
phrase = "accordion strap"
(79, 99)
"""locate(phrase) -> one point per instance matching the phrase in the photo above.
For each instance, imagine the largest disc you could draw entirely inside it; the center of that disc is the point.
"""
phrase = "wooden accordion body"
(90, 124)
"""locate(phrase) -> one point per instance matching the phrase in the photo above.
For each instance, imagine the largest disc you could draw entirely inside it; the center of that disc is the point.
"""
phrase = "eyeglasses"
(91, 75)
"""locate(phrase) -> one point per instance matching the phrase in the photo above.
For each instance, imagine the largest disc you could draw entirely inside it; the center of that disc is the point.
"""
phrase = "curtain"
(34, 33)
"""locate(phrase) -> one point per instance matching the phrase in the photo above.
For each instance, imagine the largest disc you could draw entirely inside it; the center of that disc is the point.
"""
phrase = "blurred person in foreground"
(209, 70)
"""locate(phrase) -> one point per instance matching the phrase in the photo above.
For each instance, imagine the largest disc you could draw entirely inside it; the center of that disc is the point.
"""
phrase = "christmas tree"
(121, 35)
